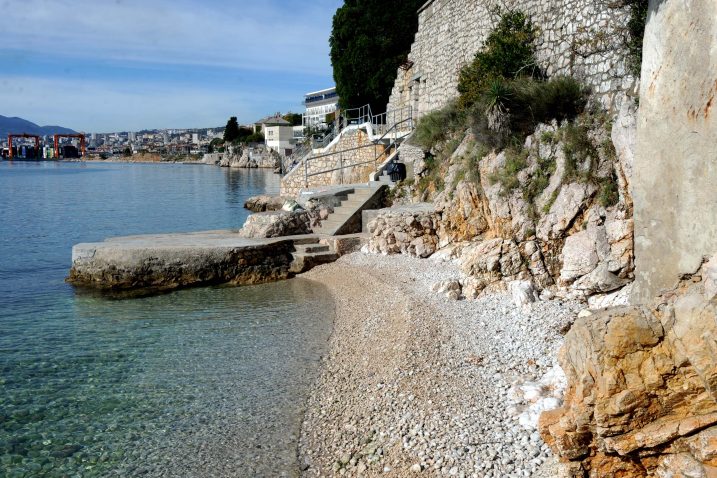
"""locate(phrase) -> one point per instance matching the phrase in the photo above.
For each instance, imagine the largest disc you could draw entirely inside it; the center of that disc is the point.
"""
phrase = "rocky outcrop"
(291, 219)
(404, 230)
(264, 203)
(258, 156)
(543, 224)
(276, 224)
(642, 394)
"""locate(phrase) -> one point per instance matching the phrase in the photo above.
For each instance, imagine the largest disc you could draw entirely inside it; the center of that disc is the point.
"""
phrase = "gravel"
(419, 384)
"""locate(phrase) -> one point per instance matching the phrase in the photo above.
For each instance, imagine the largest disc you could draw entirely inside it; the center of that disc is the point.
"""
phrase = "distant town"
(279, 132)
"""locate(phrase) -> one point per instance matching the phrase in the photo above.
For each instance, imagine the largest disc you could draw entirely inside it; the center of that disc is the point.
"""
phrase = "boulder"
(407, 229)
(264, 202)
(276, 224)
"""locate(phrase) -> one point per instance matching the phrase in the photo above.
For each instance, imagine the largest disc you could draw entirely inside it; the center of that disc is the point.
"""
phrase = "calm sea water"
(199, 382)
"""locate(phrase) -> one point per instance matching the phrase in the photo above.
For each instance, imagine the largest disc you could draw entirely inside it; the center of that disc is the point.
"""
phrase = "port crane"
(23, 135)
(83, 150)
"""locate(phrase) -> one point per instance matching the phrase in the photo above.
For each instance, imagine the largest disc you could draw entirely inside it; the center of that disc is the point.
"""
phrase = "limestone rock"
(264, 203)
(570, 201)
(462, 217)
(276, 224)
(624, 138)
(523, 293)
(642, 393)
(582, 253)
(404, 230)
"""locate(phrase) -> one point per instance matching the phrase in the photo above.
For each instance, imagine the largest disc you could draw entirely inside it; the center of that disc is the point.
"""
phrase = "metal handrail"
(392, 144)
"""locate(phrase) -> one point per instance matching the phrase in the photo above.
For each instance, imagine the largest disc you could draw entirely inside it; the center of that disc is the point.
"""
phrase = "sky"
(127, 65)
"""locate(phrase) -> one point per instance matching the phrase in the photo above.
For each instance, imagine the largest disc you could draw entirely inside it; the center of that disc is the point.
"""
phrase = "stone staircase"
(346, 218)
(310, 253)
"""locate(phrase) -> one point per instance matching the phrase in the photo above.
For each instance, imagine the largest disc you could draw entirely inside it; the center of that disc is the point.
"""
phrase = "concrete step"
(311, 248)
(304, 261)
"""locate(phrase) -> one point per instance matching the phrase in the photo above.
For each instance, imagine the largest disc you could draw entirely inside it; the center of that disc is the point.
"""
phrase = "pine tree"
(231, 131)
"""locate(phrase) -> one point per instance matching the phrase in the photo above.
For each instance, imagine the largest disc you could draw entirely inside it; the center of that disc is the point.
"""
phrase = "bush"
(608, 193)
(508, 53)
(509, 110)
(437, 125)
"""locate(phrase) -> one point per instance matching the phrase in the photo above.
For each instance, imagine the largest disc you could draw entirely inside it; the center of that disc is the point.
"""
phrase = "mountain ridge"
(17, 125)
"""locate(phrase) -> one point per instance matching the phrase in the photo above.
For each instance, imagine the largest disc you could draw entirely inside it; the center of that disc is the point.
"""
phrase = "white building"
(278, 134)
(318, 105)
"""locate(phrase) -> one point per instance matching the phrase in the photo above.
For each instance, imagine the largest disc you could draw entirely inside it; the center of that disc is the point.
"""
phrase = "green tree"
(369, 40)
(294, 118)
(231, 131)
(127, 152)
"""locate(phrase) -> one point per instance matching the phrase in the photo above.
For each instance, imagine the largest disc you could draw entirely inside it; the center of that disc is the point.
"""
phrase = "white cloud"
(274, 35)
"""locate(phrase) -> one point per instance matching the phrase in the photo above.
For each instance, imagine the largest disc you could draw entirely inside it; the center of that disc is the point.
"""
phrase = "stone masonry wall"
(579, 38)
(294, 182)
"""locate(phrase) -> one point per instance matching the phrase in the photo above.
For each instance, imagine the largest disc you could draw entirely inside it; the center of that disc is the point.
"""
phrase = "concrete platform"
(160, 262)
(169, 261)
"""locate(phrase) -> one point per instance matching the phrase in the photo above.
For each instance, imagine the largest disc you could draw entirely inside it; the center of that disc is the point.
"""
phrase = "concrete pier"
(170, 261)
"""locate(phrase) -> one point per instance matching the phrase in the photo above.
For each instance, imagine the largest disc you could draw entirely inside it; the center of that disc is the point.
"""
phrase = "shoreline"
(415, 383)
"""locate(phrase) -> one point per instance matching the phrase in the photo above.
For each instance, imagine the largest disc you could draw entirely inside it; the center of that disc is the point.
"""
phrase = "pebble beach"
(416, 383)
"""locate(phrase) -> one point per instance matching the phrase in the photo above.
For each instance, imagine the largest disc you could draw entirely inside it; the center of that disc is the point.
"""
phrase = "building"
(318, 105)
(278, 134)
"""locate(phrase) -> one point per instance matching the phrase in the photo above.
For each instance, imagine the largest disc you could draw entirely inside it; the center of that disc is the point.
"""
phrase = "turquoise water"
(199, 382)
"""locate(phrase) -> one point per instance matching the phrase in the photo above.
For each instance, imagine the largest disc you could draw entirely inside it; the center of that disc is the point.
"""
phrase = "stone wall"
(675, 189)
(580, 38)
(294, 181)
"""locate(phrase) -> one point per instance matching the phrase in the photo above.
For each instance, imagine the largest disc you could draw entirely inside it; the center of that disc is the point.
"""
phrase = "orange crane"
(82, 143)
(23, 135)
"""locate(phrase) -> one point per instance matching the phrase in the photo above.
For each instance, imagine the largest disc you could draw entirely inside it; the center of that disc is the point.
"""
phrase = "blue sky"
(118, 65)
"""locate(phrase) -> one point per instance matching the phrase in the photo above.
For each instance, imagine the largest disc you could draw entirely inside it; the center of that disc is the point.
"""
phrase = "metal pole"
(341, 167)
(306, 173)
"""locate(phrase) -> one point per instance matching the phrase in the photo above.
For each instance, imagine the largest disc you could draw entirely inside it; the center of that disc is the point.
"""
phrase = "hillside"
(19, 125)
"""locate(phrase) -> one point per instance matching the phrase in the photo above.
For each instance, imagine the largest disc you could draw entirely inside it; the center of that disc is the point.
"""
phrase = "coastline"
(416, 383)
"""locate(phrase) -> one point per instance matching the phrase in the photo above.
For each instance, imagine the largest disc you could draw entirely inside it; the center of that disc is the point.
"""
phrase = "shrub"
(510, 111)
(508, 52)
(608, 193)
(437, 125)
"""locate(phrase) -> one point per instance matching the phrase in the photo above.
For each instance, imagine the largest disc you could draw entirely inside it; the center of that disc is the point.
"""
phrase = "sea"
(202, 382)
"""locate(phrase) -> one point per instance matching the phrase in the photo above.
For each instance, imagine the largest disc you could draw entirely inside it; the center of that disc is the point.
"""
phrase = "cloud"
(280, 35)
(104, 65)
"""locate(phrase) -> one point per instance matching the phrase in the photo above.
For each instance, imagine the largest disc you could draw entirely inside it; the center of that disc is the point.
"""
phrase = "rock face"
(675, 221)
(642, 394)
(404, 230)
(547, 227)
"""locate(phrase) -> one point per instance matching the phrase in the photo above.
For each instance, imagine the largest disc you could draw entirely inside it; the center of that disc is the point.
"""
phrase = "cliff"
(642, 396)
